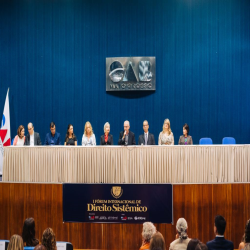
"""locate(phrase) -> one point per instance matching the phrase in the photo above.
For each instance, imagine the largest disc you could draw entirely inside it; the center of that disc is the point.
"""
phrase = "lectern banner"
(118, 203)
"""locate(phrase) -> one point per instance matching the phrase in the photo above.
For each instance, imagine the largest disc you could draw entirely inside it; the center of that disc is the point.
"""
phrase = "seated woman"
(70, 138)
(185, 139)
(245, 244)
(88, 138)
(107, 138)
(19, 138)
(148, 231)
(166, 137)
(182, 239)
(157, 242)
(16, 243)
(29, 233)
(49, 239)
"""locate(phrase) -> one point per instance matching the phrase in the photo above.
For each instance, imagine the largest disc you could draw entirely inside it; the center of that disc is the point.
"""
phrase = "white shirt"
(32, 140)
(20, 141)
(91, 141)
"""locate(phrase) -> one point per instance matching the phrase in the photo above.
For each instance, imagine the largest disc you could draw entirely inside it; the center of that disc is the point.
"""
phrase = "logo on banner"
(116, 192)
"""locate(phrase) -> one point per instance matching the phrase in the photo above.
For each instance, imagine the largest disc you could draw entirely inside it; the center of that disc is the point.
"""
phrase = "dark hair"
(247, 232)
(67, 134)
(201, 246)
(20, 128)
(40, 247)
(220, 224)
(52, 125)
(49, 239)
(29, 232)
(185, 126)
(192, 244)
(157, 242)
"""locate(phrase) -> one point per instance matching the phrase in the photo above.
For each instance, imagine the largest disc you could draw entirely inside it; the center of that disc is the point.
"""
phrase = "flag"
(4, 130)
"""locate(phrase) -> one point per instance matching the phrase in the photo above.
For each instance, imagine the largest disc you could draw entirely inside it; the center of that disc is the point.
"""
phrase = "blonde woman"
(166, 137)
(107, 138)
(88, 138)
(16, 243)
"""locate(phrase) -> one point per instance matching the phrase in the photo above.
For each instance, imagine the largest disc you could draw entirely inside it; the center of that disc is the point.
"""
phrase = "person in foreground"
(148, 231)
(88, 138)
(40, 247)
(107, 138)
(146, 138)
(126, 137)
(166, 137)
(245, 244)
(70, 138)
(185, 139)
(49, 239)
(182, 239)
(220, 242)
(16, 243)
(157, 242)
(192, 244)
(29, 233)
(19, 138)
(52, 138)
(32, 138)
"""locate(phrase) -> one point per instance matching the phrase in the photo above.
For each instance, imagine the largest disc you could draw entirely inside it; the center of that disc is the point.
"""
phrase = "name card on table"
(117, 203)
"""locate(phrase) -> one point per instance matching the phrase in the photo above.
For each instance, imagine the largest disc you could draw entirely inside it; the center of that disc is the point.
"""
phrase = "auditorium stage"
(131, 164)
(198, 203)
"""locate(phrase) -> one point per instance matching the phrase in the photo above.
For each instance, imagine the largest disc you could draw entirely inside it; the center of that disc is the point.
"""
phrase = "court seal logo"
(116, 192)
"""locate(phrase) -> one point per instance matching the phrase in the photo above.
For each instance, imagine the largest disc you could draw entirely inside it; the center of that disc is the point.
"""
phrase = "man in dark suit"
(32, 138)
(147, 138)
(220, 243)
(126, 137)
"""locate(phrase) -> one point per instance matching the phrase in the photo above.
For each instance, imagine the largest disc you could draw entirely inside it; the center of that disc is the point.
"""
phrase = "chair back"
(28, 248)
(4, 244)
(205, 141)
(228, 140)
(62, 245)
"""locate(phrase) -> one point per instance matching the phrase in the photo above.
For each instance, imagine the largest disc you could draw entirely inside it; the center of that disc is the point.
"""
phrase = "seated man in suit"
(126, 137)
(32, 138)
(147, 138)
(52, 138)
(220, 242)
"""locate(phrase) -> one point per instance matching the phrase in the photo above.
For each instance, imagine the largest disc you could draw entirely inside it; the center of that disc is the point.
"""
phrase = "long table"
(131, 164)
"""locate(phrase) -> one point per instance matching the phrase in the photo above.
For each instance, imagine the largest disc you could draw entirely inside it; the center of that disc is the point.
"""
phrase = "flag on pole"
(5, 130)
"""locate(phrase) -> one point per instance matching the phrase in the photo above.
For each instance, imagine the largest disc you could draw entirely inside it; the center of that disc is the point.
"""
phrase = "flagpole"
(9, 111)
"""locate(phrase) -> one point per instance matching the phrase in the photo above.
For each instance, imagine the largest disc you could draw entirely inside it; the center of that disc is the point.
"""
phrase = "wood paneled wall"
(197, 203)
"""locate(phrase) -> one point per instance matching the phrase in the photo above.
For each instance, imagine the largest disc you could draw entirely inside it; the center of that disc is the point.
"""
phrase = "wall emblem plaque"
(130, 73)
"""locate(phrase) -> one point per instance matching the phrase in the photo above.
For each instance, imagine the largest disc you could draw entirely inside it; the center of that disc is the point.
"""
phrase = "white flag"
(5, 130)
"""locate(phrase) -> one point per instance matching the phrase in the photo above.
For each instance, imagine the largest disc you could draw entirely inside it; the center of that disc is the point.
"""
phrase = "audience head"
(49, 239)
(148, 231)
(157, 242)
(185, 129)
(166, 126)
(247, 232)
(192, 244)
(219, 225)
(126, 126)
(88, 130)
(145, 126)
(106, 128)
(181, 227)
(201, 246)
(29, 232)
(30, 128)
(16, 243)
(21, 131)
(70, 130)
(40, 247)
(52, 128)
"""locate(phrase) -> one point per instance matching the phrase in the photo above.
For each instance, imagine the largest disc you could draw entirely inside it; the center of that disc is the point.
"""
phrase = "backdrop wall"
(53, 59)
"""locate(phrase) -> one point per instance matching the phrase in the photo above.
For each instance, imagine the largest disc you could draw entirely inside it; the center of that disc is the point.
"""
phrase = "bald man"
(126, 137)
(32, 138)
